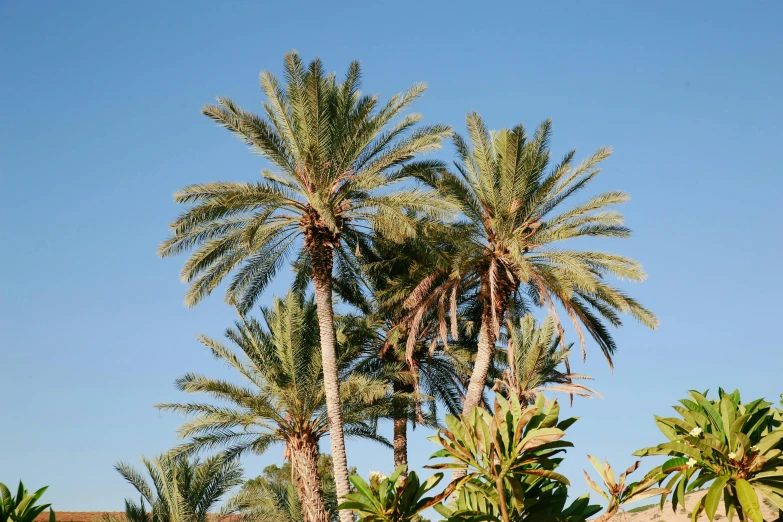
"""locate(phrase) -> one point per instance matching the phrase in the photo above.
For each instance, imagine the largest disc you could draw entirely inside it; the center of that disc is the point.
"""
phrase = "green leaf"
(770, 441)
(748, 500)
(713, 496)
(678, 497)
(675, 464)
(599, 467)
(697, 509)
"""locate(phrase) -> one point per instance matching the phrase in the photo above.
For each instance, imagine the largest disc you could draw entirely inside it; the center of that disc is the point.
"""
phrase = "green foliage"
(535, 358)
(283, 395)
(262, 500)
(734, 446)
(397, 498)
(337, 158)
(510, 458)
(22, 507)
(617, 492)
(513, 200)
(272, 496)
(179, 489)
(429, 373)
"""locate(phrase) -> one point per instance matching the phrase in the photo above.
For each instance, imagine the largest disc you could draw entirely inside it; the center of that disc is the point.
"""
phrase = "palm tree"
(429, 372)
(180, 489)
(283, 399)
(336, 154)
(505, 248)
(535, 356)
(267, 502)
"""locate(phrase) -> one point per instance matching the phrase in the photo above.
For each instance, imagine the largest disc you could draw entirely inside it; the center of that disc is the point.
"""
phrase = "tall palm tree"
(179, 489)
(535, 357)
(283, 398)
(432, 373)
(336, 154)
(505, 248)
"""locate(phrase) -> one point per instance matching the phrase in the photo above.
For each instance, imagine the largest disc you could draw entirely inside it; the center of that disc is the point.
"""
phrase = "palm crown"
(334, 151)
(504, 248)
(180, 489)
(428, 374)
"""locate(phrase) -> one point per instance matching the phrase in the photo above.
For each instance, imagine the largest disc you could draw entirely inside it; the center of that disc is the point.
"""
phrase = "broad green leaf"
(774, 495)
(713, 496)
(748, 500)
(770, 441)
(675, 464)
(697, 509)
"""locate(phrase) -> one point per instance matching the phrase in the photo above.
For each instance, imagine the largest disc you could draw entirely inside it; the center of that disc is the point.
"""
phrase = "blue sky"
(101, 125)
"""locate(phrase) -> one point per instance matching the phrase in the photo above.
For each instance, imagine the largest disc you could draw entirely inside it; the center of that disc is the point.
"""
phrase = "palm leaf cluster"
(536, 359)
(283, 396)
(178, 489)
(338, 158)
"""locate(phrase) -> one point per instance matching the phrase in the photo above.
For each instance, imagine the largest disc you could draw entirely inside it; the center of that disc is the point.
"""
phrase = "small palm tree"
(505, 250)
(336, 154)
(267, 502)
(179, 489)
(283, 399)
(272, 497)
(535, 356)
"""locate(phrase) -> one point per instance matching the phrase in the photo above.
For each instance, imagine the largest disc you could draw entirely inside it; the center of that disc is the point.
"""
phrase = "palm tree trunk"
(478, 378)
(304, 462)
(488, 335)
(486, 351)
(321, 259)
(400, 414)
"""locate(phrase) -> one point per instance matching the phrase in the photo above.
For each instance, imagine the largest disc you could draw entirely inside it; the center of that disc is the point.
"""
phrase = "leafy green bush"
(392, 499)
(22, 508)
(735, 446)
(510, 461)
(510, 456)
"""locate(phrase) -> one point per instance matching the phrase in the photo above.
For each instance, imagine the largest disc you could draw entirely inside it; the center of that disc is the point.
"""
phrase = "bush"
(22, 508)
(735, 446)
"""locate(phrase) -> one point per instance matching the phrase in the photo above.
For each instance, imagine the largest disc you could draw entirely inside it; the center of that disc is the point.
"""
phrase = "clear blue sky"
(101, 124)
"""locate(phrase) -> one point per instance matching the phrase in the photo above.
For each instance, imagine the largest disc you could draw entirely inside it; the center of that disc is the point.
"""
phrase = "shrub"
(23, 507)
(392, 499)
(735, 446)
(510, 458)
